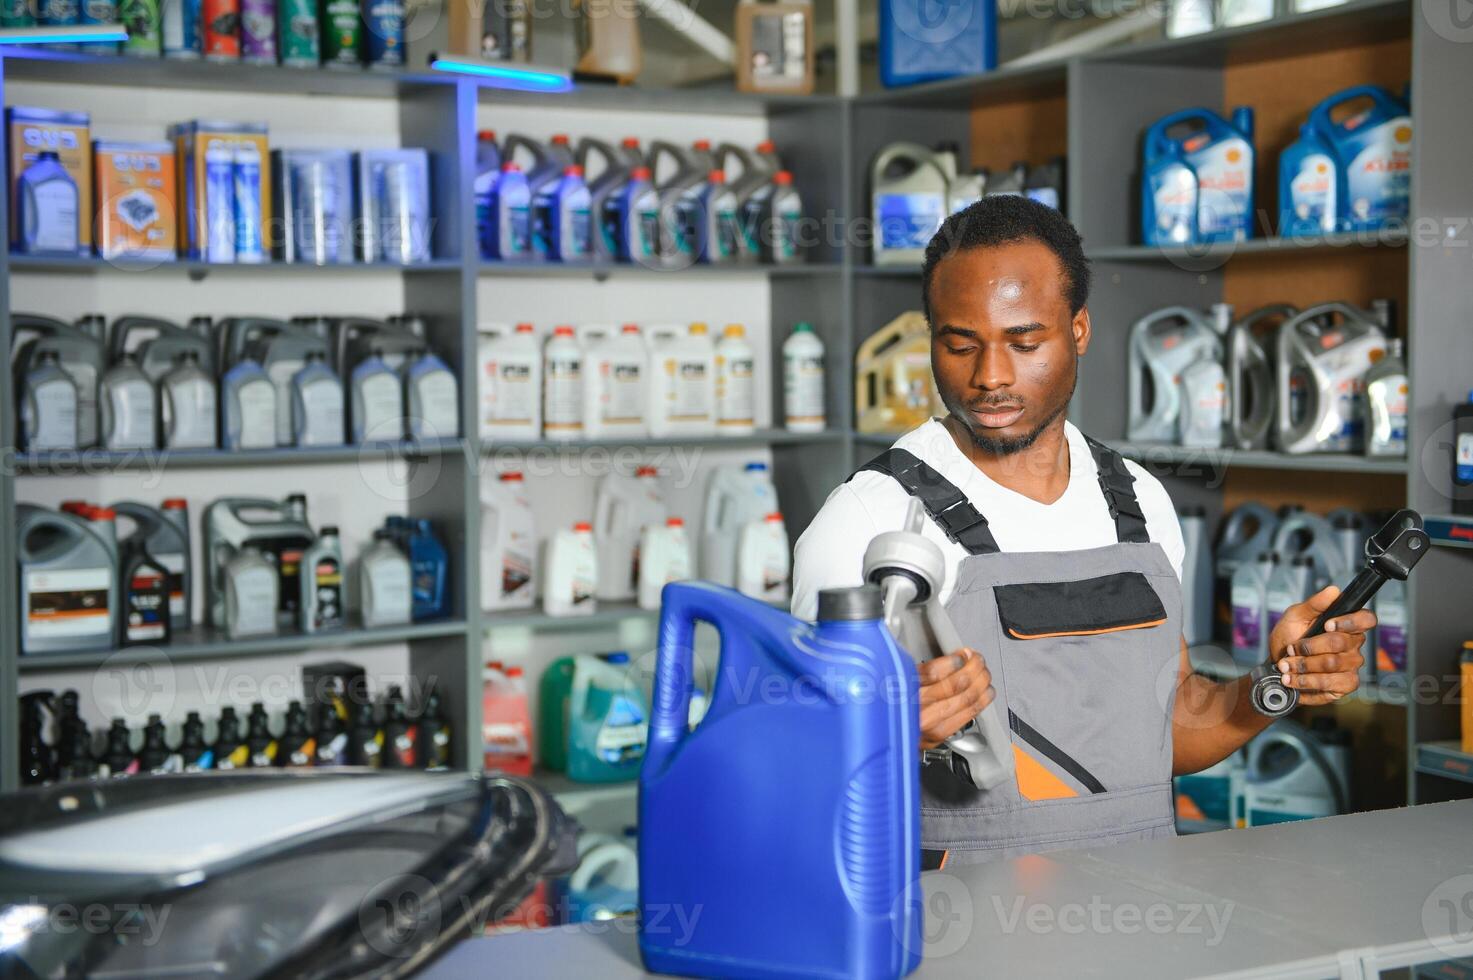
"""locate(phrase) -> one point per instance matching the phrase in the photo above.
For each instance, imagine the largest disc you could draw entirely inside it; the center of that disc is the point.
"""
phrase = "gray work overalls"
(1082, 647)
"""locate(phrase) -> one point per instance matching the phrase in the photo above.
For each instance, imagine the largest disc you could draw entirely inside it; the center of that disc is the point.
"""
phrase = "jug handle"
(893, 152)
(1322, 114)
(1159, 141)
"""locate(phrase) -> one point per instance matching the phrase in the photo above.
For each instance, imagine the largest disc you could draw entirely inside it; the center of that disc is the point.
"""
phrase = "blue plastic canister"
(790, 815)
(923, 40)
(1198, 178)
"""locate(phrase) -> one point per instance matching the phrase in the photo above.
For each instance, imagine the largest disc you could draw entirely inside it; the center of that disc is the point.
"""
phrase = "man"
(1063, 566)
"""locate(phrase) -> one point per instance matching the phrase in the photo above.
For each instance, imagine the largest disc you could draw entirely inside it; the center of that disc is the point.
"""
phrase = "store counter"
(1343, 896)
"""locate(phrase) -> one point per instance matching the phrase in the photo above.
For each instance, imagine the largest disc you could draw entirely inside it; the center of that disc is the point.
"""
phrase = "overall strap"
(947, 505)
(1118, 486)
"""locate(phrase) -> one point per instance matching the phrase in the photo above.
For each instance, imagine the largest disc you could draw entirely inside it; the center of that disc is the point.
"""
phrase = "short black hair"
(1007, 219)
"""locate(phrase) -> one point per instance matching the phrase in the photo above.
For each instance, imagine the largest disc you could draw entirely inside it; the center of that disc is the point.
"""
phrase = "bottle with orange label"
(1465, 666)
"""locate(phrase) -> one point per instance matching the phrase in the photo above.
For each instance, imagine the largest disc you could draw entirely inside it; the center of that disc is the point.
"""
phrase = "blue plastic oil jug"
(1351, 175)
(923, 40)
(1308, 187)
(607, 720)
(429, 567)
(790, 815)
(1198, 178)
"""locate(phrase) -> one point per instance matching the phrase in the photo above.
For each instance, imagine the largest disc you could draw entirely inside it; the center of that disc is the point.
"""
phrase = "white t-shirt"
(830, 554)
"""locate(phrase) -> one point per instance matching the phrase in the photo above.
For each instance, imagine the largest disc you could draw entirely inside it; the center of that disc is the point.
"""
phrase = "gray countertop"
(1343, 896)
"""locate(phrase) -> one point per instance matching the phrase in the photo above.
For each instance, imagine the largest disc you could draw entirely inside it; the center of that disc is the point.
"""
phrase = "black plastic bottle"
(332, 738)
(230, 751)
(154, 756)
(366, 738)
(118, 757)
(73, 741)
(434, 734)
(145, 585)
(261, 746)
(298, 749)
(194, 754)
(401, 734)
(37, 757)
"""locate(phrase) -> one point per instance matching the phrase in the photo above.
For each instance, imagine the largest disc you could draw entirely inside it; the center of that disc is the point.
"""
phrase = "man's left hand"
(1324, 668)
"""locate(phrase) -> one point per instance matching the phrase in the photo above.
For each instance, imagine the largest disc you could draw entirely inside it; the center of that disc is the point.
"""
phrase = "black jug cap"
(856, 604)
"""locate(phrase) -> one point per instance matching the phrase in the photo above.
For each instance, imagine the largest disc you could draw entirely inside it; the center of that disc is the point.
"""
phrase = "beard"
(1006, 445)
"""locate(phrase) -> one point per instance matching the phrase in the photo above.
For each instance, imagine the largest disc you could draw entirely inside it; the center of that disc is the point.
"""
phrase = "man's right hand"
(954, 690)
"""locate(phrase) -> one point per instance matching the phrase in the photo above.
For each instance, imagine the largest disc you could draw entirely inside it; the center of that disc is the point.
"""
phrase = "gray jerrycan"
(693, 166)
(158, 343)
(80, 352)
(1245, 534)
(272, 526)
(69, 594)
(281, 348)
(615, 164)
(1163, 344)
(909, 194)
(1323, 356)
(1352, 531)
(1251, 350)
(1292, 774)
(355, 337)
(1315, 538)
(748, 180)
(164, 536)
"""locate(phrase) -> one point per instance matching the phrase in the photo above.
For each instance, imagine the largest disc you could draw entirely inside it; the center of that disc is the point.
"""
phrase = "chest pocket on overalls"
(1080, 660)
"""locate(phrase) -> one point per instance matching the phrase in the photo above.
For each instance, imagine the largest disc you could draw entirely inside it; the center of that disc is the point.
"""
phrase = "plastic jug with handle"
(825, 829)
(615, 166)
(894, 389)
(69, 590)
(1197, 179)
(1314, 537)
(79, 352)
(909, 188)
(508, 544)
(606, 882)
(506, 725)
(1323, 357)
(1245, 534)
(1163, 345)
(736, 497)
(1251, 348)
(624, 507)
(158, 343)
(1372, 152)
(608, 720)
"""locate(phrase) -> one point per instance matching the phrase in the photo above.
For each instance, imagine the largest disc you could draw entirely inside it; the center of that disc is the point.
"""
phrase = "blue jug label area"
(1464, 458)
(908, 220)
(1174, 192)
(622, 736)
(1313, 192)
(1225, 196)
(1379, 178)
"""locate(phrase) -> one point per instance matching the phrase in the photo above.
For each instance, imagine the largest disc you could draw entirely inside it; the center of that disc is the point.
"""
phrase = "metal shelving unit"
(1108, 99)
(828, 142)
(438, 112)
(1162, 453)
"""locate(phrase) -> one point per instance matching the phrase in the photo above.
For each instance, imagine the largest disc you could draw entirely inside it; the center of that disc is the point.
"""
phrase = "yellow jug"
(894, 390)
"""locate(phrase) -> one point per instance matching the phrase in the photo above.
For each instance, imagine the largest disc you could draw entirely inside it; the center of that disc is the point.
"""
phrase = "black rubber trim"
(1054, 754)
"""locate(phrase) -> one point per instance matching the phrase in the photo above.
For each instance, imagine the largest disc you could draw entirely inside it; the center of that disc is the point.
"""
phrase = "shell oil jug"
(1197, 178)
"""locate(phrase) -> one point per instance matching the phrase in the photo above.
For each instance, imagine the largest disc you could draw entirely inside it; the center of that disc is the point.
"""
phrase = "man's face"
(1004, 345)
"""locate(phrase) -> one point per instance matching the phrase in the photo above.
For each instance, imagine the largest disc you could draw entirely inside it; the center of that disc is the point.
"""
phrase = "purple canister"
(258, 31)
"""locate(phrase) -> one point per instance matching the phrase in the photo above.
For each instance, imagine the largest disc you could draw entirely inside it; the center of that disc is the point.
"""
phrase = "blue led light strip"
(502, 76)
(88, 34)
